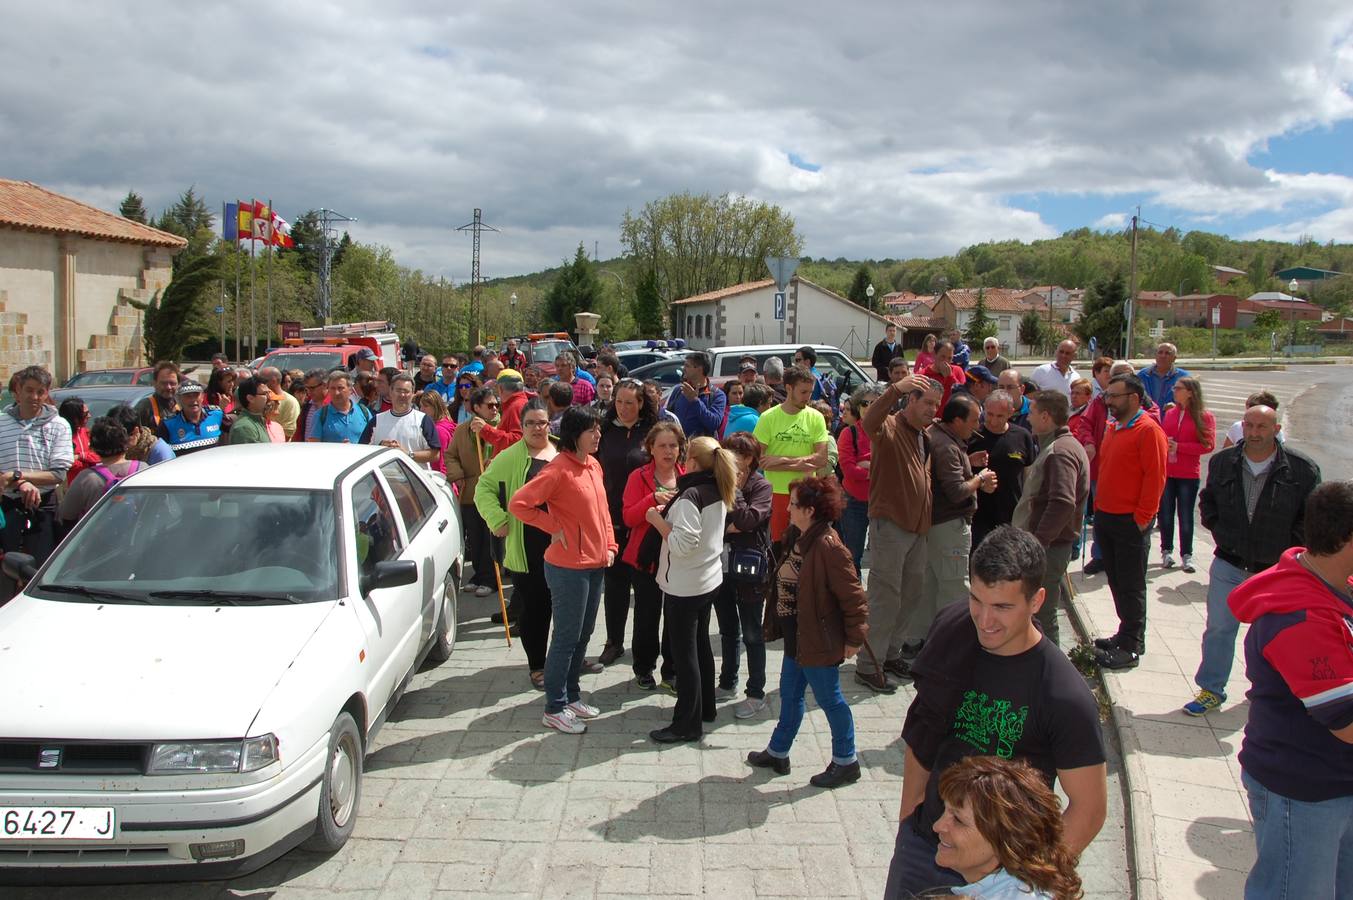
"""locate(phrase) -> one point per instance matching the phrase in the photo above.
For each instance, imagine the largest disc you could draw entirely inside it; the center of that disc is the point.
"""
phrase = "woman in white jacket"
(690, 571)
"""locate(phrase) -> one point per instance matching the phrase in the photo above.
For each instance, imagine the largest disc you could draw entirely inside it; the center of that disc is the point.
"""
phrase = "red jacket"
(853, 448)
(639, 498)
(1132, 476)
(956, 376)
(1189, 445)
(574, 500)
(509, 429)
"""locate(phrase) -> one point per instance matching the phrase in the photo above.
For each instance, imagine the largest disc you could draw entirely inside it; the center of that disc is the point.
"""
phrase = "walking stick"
(497, 572)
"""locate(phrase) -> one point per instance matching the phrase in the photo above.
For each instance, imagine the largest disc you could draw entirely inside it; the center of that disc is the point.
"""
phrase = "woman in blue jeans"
(817, 604)
(567, 501)
(738, 605)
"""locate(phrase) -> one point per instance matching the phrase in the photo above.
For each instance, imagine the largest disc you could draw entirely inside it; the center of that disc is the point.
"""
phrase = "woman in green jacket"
(526, 545)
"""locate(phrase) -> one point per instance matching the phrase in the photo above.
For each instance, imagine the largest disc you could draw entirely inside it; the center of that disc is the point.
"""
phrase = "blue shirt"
(701, 416)
(185, 437)
(448, 391)
(336, 427)
(159, 452)
(1160, 388)
(962, 354)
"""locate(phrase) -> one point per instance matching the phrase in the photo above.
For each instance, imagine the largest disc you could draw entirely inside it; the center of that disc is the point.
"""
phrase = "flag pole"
(239, 327)
(272, 328)
(253, 310)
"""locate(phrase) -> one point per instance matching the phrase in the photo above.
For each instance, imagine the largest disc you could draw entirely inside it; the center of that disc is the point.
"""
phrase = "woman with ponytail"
(690, 571)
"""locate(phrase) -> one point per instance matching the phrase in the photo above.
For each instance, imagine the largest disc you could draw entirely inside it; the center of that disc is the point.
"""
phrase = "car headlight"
(209, 757)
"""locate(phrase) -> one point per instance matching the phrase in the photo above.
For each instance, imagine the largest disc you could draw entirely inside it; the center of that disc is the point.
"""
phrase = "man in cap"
(979, 385)
(747, 372)
(513, 395)
(364, 360)
(196, 425)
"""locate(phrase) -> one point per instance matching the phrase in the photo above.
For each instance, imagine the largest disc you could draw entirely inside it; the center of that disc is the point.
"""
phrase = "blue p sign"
(780, 305)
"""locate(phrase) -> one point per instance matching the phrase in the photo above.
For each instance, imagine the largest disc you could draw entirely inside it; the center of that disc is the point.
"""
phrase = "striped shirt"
(42, 443)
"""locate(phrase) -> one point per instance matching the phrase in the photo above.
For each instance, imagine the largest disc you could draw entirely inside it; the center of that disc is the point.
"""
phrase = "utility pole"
(327, 217)
(475, 227)
(1132, 287)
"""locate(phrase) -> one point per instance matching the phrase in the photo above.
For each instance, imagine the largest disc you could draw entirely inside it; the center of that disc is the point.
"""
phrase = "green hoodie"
(509, 469)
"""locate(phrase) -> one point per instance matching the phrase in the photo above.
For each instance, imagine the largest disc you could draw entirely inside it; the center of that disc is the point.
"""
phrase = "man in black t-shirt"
(989, 683)
(1009, 449)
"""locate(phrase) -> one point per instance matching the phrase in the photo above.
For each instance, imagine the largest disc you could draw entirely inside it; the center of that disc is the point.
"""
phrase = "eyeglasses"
(544, 424)
(468, 384)
(490, 405)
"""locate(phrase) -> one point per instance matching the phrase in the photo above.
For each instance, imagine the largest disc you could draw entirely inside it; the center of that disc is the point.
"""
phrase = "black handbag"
(747, 565)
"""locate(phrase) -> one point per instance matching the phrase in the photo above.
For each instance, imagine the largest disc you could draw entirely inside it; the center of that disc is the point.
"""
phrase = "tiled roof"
(1336, 325)
(744, 288)
(25, 205)
(1002, 299)
(919, 322)
(1154, 295)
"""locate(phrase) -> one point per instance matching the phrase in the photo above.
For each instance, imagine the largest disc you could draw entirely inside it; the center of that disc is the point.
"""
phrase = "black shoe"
(835, 776)
(497, 618)
(710, 716)
(645, 682)
(763, 760)
(1108, 643)
(1117, 658)
(668, 736)
(610, 653)
(898, 667)
(877, 682)
(911, 650)
(1093, 567)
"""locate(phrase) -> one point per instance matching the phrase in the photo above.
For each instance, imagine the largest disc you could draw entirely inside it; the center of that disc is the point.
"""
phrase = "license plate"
(56, 823)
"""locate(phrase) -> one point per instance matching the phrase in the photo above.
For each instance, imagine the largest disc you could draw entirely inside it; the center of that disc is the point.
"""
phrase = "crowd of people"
(753, 504)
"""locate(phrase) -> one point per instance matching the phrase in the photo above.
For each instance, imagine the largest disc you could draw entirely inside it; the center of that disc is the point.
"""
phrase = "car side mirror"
(388, 574)
(20, 567)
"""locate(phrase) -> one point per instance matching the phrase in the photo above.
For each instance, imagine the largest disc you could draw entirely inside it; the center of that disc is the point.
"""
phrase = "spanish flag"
(246, 220)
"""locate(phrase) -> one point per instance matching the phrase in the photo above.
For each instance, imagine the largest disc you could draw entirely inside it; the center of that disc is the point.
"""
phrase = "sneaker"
(1204, 703)
(668, 736)
(592, 668)
(1117, 658)
(725, 693)
(877, 682)
(1186, 563)
(564, 721)
(750, 707)
(583, 710)
(1167, 560)
(668, 685)
(1108, 643)
(1093, 567)
(898, 667)
(645, 682)
(763, 760)
(835, 776)
(484, 591)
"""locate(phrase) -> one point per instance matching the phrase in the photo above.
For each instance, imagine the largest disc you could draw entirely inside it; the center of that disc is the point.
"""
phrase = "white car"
(192, 681)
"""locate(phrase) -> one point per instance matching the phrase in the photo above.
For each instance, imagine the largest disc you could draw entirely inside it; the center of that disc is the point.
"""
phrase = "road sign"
(782, 269)
(780, 305)
(220, 310)
(1094, 345)
(1216, 315)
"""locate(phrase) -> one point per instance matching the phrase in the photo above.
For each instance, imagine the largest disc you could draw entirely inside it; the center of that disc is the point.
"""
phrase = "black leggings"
(531, 598)
(477, 550)
(688, 633)
(650, 628)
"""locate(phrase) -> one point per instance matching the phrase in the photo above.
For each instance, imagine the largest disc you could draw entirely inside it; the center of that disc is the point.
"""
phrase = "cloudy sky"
(886, 129)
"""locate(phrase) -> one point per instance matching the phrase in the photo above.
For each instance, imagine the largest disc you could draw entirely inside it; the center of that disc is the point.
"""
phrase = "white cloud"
(1110, 221)
(926, 120)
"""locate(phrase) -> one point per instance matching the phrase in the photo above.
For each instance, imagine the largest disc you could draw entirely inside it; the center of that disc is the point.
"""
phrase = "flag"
(230, 221)
(281, 232)
(262, 223)
(245, 220)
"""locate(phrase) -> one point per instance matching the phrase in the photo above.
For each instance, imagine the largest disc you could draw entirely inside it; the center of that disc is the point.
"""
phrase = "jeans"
(1181, 494)
(895, 607)
(688, 635)
(826, 684)
(1125, 548)
(912, 870)
(576, 596)
(739, 617)
(1304, 849)
(855, 528)
(1219, 637)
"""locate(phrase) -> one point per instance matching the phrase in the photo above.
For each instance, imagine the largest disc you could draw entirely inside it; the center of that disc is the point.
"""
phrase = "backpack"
(324, 416)
(110, 479)
(854, 443)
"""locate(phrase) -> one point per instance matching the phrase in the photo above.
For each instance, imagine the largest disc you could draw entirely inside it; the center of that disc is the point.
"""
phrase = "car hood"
(105, 671)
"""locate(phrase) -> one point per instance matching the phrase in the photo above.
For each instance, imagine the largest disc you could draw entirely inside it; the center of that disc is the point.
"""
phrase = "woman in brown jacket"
(463, 469)
(817, 604)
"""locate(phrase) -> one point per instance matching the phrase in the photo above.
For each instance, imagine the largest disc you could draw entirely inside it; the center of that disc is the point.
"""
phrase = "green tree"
(133, 207)
(575, 290)
(187, 216)
(1102, 316)
(648, 318)
(177, 315)
(1269, 320)
(858, 293)
(981, 326)
(1032, 330)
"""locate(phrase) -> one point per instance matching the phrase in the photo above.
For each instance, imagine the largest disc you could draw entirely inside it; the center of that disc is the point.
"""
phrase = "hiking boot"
(749, 707)
(911, 649)
(1204, 703)
(836, 775)
(564, 721)
(877, 682)
(610, 653)
(763, 760)
(1107, 643)
(898, 667)
(1117, 658)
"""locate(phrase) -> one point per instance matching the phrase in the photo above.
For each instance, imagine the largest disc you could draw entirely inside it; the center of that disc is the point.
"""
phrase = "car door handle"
(441, 526)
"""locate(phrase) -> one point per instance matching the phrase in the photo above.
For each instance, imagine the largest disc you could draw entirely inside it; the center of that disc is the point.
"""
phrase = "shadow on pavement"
(714, 805)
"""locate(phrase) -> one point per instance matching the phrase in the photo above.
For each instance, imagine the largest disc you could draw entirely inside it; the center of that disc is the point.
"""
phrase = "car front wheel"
(340, 788)
(444, 640)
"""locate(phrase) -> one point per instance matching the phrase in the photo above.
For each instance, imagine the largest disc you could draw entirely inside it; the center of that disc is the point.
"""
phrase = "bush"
(1231, 345)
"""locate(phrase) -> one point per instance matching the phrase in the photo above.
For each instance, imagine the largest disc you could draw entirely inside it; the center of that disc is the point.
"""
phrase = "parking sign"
(780, 306)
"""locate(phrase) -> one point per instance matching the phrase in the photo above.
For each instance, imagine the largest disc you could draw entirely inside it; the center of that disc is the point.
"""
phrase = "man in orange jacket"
(1131, 479)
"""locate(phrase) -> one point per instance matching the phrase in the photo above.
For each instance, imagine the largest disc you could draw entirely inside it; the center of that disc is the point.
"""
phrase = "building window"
(1005, 323)
(709, 326)
(688, 326)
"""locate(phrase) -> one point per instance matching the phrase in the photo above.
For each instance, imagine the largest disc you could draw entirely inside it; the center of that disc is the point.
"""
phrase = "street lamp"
(869, 322)
(513, 301)
(1292, 299)
(869, 292)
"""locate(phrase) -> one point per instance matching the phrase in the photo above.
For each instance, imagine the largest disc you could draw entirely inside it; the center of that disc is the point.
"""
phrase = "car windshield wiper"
(92, 593)
(231, 598)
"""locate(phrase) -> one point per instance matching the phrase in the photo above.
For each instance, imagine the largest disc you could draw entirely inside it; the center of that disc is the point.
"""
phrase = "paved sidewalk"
(1190, 825)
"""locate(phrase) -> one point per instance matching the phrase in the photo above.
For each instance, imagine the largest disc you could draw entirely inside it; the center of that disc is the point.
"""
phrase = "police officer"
(196, 425)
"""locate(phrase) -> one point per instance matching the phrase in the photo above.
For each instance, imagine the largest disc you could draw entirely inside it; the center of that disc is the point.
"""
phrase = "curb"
(1141, 839)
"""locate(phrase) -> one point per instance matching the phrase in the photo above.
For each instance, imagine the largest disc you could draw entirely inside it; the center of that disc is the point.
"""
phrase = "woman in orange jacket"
(567, 500)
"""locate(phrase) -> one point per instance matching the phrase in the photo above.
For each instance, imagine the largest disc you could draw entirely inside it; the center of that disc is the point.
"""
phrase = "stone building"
(67, 272)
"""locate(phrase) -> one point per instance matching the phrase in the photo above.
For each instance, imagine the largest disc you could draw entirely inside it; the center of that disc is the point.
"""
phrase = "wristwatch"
(15, 477)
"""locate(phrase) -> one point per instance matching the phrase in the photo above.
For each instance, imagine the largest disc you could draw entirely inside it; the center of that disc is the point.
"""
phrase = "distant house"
(1053, 294)
(915, 328)
(1195, 310)
(1291, 308)
(1305, 275)
(67, 271)
(957, 306)
(1226, 274)
(1336, 330)
(1154, 306)
(745, 314)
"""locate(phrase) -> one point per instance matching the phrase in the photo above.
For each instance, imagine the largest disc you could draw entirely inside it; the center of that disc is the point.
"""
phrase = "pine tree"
(1103, 317)
(1032, 331)
(133, 207)
(858, 293)
(648, 316)
(981, 326)
(575, 290)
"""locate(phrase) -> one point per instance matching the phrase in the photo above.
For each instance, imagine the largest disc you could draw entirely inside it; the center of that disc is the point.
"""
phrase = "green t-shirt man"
(789, 434)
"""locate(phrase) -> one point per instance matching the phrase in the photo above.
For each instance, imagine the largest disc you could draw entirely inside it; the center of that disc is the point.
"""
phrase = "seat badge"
(49, 758)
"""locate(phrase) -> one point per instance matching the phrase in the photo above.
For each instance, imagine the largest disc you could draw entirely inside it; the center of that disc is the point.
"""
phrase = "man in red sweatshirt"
(1131, 479)
(1296, 760)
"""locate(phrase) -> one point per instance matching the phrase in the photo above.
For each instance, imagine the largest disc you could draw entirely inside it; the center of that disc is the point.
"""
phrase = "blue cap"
(982, 373)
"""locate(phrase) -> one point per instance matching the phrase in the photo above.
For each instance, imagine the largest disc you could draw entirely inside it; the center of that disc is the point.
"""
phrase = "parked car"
(101, 398)
(666, 373)
(830, 361)
(100, 377)
(188, 714)
(633, 359)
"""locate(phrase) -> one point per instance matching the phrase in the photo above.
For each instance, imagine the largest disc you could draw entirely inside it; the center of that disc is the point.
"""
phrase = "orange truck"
(332, 347)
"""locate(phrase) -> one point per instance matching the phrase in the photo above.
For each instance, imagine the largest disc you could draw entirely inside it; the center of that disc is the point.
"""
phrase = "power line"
(327, 217)
(475, 227)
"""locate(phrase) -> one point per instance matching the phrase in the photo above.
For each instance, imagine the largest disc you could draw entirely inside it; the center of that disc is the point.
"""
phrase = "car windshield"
(182, 546)
(546, 351)
(92, 379)
(305, 361)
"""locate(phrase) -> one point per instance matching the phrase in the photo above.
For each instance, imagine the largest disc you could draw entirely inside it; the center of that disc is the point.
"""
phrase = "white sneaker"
(564, 721)
(723, 693)
(582, 710)
(1168, 561)
(484, 590)
(749, 707)
(1186, 563)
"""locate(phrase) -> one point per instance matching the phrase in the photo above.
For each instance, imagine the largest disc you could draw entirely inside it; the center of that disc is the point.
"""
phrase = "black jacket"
(620, 452)
(882, 356)
(1278, 516)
